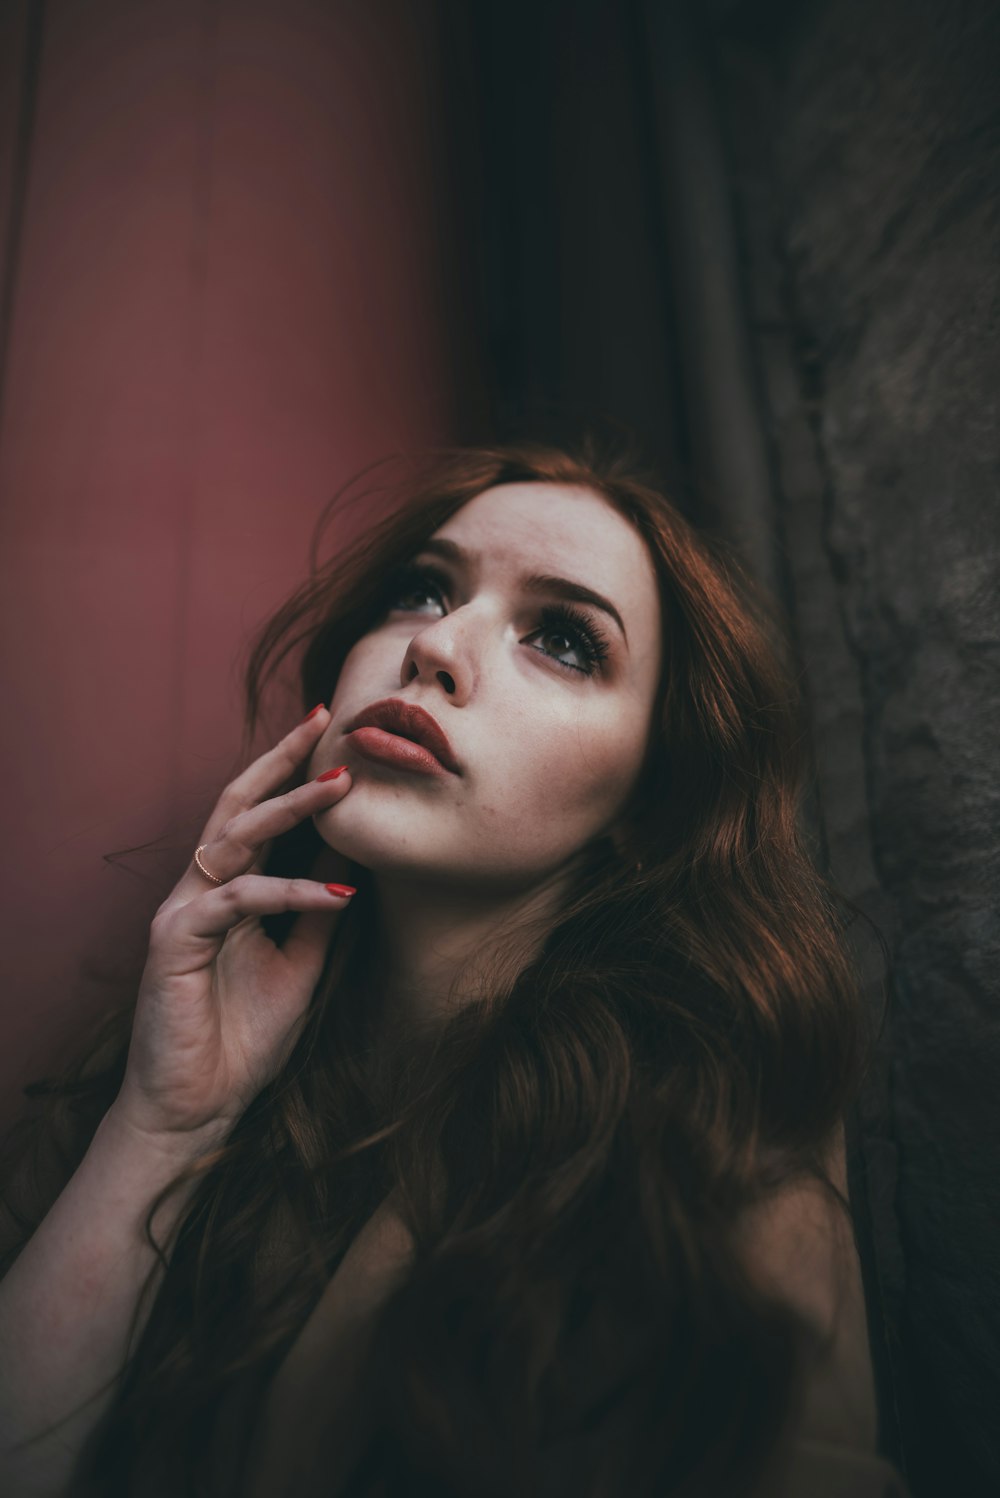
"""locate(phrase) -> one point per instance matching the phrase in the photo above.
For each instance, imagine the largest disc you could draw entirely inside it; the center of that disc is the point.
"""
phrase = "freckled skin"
(548, 755)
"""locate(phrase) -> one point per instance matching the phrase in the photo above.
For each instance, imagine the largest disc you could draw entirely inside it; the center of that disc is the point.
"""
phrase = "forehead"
(556, 529)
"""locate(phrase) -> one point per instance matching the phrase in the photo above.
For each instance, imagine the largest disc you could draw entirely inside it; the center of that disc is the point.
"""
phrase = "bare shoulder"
(800, 1245)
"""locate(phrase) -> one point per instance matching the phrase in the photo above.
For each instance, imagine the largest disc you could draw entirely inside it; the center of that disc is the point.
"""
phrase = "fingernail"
(319, 706)
(341, 889)
(332, 774)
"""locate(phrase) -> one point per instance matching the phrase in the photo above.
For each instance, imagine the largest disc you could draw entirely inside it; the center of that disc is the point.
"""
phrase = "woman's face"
(547, 713)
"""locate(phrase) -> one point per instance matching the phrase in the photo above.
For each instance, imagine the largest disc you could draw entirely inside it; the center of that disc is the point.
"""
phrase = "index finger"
(264, 777)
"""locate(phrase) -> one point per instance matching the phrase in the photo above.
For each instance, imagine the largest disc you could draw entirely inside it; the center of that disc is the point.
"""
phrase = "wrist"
(173, 1148)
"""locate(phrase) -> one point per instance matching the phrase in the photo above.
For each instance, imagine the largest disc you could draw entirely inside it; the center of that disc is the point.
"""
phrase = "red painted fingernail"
(341, 889)
(332, 774)
(315, 710)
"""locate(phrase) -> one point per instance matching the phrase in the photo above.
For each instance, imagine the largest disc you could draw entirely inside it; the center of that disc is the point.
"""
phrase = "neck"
(440, 947)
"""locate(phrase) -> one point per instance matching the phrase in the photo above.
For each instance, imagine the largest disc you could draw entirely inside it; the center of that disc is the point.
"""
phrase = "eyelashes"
(563, 619)
(409, 580)
(579, 633)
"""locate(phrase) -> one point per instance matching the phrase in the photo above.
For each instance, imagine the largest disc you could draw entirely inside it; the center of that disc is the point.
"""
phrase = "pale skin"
(548, 756)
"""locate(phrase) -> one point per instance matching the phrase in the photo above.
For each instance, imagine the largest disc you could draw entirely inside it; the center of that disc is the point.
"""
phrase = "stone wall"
(865, 149)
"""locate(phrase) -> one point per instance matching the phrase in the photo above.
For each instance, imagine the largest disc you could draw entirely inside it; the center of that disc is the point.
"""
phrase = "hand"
(220, 1006)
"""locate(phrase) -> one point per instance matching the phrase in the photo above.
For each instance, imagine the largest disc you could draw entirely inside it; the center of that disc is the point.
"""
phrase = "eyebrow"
(536, 582)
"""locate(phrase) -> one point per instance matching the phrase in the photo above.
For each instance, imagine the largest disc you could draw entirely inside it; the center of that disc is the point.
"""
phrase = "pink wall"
(232, 292)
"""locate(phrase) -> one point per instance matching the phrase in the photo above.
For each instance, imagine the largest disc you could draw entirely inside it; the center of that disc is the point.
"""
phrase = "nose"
(442, 650)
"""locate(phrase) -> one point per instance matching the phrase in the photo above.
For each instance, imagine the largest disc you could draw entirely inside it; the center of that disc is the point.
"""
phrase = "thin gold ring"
(207, 872)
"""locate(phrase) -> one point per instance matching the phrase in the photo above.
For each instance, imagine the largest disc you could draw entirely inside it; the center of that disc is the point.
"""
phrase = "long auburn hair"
(573, 1151)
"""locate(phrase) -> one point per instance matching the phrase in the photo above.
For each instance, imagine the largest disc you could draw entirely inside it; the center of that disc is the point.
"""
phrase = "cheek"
(365, 675)
(370, 670)
(367, 661)
(566, 785)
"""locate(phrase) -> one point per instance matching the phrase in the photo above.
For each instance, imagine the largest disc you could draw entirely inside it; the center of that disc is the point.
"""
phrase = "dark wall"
(865, 150)
(564, 180)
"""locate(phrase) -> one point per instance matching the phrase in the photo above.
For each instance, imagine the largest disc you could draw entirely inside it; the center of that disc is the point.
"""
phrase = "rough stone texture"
(869, 184)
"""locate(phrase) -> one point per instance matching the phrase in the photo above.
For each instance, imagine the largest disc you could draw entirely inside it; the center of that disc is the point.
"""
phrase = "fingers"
(267, 774)
(239, 841)
(306, 945)
(188, 936)
(308, 941)
(242, 824)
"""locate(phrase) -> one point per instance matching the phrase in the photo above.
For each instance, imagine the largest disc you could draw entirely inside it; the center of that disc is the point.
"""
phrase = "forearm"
(67, 1303)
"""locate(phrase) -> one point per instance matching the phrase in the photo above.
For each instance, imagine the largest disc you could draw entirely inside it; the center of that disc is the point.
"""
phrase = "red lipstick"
(401, 734)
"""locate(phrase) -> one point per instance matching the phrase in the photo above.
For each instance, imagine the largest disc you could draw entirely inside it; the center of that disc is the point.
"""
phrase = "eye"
(564, 632)
(413, 588)
(571, 633)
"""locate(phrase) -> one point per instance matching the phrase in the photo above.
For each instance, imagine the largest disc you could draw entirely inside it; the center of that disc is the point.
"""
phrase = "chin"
(393, 851)
(380, 837)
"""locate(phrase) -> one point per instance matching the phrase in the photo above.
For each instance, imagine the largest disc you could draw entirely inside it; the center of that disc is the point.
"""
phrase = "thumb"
(305, 947)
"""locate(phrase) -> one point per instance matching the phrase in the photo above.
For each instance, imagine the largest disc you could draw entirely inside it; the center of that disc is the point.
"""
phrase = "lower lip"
(390, 749)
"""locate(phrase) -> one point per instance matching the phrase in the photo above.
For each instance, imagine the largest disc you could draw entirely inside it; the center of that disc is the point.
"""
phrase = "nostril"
(448, 682)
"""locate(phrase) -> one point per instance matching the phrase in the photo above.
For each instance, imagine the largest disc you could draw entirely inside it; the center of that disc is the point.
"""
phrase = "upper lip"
(410, 722)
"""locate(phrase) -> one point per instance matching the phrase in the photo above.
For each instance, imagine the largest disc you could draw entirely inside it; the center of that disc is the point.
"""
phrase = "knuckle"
(160, 925)
(234, 891)
(233, 833)
(231, 803)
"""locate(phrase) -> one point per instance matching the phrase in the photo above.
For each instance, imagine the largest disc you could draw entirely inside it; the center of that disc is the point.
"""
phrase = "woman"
(483, 1091)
